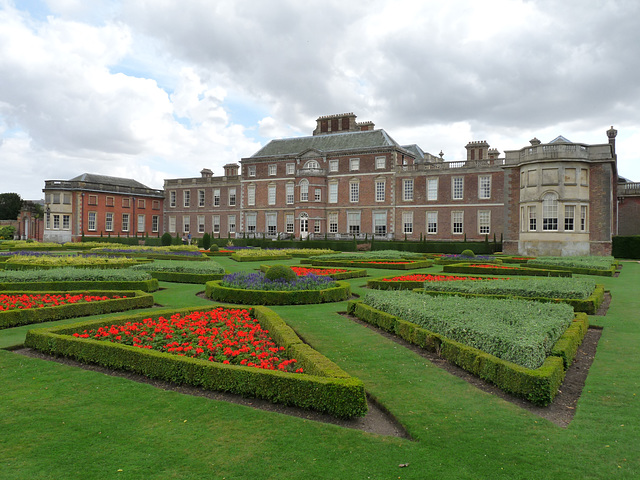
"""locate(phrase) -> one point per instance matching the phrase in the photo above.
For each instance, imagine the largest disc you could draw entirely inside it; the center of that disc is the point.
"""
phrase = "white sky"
(155, 89)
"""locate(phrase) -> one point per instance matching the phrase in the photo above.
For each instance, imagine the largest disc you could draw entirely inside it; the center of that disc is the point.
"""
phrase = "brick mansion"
(351, 179)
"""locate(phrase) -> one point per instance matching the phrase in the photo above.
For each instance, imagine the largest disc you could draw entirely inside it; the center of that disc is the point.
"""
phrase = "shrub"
(468, 253)
(206, 241)
(214, 247)
(280, 272)
(166, 239)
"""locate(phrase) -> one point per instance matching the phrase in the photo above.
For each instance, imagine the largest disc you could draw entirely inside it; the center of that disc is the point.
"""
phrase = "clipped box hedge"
(588, 305)
(12, 265)
(215, 291)
(536, 272)
(369, 264)
(539, 386)
(380, 284)
(150, 285)
(353, 273)
(182, 277)
(261, 258)
(323, 387)
(135, 299)
(577, 270)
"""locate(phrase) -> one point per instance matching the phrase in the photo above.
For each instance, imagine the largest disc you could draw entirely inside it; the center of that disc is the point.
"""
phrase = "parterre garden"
(198, 319)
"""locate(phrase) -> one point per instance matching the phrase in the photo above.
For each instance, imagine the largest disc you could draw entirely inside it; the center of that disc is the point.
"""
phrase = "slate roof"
(334, 142)
(107, 180)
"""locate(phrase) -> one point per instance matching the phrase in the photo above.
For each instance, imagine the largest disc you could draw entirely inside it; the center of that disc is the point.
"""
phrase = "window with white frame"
(484, 222)
(289, 226)
(317, 195)
(125, 222)
(155, 223)
(141, 223)
(550, 212)
(569, 218)
(457, 222)
(108, 221)
(172, 198)
(215, 220)
(354, 164)
(186, 224)
(66, 222)
(273, 169)
(407, 189)
(172, 224)
(316, 226)
(432, 223)
(354, 191)
(380, 190)
(533, 219)
(457, 188)
(381, 163)
(312, 165)
(231, 223)
(271, 195)
(353, 222)
(304, 190)
(333, 165)
(432, 189)
(333, 192)
(380, 222)
(271, 219)
(252, 170)
(216, 197)
(251, 195)
(232, 197)
(407, 222)
(186, 195)
(201, 198)
(251, 222)
(291, 168)
(200, 223)
(333, 222)
(91, 224)
(290, 193)
(484, 187)
(583, 218)
(56, 221)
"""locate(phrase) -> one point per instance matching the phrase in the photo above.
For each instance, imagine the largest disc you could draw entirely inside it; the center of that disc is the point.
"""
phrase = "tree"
(10, 205)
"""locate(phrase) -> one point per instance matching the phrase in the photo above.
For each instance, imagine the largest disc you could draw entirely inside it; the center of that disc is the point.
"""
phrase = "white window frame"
(172, 199)
(201, 198)
(200, 220)
(354, 191)
(273, 170)
(381, 163)
(172, 224)
(532, 224)
(291, 168)
(379, 221)
(333, 222)
(484, 187)
(186, 198)
(231, 194)
(457, 222)
(484, 222)
(334, 165)
(252, 222)
(251, 195)
(289, 223)
(457, 188)
(569, 218)
(142, 222)
(92, 221)
(186, 224)
(216, 197)
(304, 190)
(354, 164)
(271, 194)
(550, 212)
(290, 193)
(333, 192)
(251, 169)
(317, 195)
(407, 189)
(271, 222)
(407, 223)
(380, 186)
(125, 222)
(231, 223)
(215, 223)
(354, 222)
(432, 189)
(432, 223)
(155, 223)
(66, 221)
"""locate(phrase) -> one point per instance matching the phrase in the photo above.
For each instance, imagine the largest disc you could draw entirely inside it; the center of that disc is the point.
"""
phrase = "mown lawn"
(60, 422)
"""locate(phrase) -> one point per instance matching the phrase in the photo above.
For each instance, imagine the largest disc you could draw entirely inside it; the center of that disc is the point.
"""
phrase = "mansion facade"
(350, 179)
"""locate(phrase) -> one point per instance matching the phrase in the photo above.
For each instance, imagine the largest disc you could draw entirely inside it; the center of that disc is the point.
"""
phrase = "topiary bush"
(206, 241)
(214, 247)
(280, 272)
(166, 239)
(468, 253)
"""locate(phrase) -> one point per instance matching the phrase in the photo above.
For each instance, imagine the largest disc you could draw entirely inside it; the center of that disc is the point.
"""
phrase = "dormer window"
(312, 165)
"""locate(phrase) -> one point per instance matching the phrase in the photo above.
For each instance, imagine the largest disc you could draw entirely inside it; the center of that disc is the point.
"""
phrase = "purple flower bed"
(484, 258)
(257, 281)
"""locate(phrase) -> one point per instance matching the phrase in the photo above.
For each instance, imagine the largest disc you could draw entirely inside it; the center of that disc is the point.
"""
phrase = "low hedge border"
(538, 386)
(536, 272)
(328, 389)
(33, 266)
(577, 270)
(380, 284)
(588, 305)
(141, 255)
(357, 273)
(150, 285)
(218, 293)
(368, 264)
(181, 277)
(35, 248)
(264, 258)
(135, 299)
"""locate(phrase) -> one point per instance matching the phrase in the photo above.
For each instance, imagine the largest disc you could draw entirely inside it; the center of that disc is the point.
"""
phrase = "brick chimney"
(340, 123)
(611, 133)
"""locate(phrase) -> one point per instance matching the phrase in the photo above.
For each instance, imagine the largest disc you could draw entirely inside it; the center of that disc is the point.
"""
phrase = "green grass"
(60, 422)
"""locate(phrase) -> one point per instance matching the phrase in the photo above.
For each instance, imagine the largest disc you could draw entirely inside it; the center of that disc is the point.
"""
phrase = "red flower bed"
(502, 267)
(24, 302)
(229, 336)
(422, 277)
(382, 263)
(302, 271)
